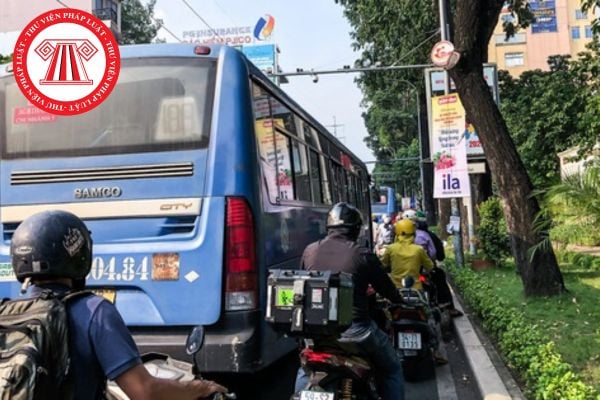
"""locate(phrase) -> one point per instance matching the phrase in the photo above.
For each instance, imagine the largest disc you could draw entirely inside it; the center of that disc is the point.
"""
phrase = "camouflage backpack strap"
(74, 294)
(66, 390)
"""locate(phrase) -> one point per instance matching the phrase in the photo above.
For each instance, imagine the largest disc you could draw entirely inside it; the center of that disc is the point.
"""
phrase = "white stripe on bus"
(109, 209)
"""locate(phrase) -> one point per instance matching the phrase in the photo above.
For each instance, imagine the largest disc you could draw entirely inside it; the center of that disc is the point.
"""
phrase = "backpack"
(34, 347)
(439, 246)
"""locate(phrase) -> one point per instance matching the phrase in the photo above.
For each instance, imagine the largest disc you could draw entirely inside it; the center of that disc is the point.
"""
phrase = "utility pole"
(334, 127)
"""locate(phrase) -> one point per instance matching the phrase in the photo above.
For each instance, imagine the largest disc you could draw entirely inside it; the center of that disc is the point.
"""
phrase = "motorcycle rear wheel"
(417, 369)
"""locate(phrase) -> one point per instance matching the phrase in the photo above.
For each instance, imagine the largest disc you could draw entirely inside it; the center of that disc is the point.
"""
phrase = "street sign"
(476, 168)
(443, 55)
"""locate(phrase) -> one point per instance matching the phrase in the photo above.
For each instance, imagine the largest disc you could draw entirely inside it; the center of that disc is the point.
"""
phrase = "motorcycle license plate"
(410, 341)
(310, 395)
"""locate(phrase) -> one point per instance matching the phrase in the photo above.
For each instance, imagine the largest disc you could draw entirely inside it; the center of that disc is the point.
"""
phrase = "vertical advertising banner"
(448, 147)
(436, 79)
(544, 16)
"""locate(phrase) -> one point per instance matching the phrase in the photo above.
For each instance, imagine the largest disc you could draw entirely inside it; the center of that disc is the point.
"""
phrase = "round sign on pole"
(443, 55)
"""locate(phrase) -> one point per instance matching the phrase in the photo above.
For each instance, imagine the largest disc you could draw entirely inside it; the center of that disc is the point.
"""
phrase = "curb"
(489, 382)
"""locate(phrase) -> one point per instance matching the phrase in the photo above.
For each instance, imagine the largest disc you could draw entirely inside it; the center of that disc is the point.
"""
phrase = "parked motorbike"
(163, 366)
(334, 373)
(411, 326)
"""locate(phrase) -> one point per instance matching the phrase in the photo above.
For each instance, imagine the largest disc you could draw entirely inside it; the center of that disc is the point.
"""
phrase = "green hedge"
(579, 260)
(527, 350)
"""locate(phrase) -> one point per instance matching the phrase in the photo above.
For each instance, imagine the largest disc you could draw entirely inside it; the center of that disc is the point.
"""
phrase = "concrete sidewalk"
(493, 378)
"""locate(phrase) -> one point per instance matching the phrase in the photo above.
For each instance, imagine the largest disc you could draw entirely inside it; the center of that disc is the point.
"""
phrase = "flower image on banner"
(448, 147)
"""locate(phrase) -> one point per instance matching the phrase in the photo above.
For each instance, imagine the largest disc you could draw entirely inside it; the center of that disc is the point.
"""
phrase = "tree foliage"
(391, 32)
(541, 109)
(402, 175)
(575, 202)
(138, 24)
(5, 59)
(589, 6)
(587, 70)
(550, 111)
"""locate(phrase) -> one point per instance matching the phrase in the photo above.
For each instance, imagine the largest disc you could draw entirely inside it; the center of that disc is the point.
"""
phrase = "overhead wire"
(224, 13)
(162, 25)
(201, 19)
(403, 56)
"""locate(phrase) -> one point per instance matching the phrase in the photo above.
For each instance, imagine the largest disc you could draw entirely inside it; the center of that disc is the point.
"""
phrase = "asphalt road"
(452, 382)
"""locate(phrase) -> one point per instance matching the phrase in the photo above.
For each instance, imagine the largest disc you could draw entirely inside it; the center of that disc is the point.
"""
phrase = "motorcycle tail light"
(317, 357)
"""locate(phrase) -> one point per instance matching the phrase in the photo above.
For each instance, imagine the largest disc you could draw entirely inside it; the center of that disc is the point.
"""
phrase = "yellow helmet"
(405, 227)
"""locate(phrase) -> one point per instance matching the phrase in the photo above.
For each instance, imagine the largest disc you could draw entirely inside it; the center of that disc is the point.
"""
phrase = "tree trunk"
(473, 27)
(444, 211)
(464, 222)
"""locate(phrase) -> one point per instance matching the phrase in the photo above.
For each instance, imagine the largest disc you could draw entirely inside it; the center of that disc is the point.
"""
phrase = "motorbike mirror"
(195, 340)
(408, 282)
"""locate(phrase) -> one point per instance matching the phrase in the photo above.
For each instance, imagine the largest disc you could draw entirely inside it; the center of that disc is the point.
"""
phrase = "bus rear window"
(159, 104)
(380, 196)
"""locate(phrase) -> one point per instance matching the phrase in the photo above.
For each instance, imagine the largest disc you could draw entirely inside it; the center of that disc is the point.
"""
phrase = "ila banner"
(448, 147)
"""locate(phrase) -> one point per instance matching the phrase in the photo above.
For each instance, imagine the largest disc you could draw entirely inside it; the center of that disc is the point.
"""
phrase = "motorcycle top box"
(309, 302)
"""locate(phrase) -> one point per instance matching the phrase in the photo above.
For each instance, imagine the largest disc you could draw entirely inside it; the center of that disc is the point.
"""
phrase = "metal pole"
(443, 22)
(301, 72)
(420, 152)
(458, 246)
(416, 89)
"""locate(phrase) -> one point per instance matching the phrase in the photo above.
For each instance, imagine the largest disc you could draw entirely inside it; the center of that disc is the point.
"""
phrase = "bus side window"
(325, 180)
(284, 167)
(301, 177)
(283, 116)
(268, 161)
(315, 177)
(263, 128)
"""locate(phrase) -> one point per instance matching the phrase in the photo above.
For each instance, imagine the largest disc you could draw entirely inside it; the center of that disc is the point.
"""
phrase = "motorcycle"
(411, 328)
(335, 373)
(441, 311)
(165, 367)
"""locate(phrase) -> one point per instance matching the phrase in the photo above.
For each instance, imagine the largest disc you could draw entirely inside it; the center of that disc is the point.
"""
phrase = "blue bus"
(383, 202)
(196, 176)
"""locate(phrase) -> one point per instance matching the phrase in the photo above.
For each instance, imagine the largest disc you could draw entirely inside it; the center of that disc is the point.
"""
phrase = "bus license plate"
(310, 395)
(411, 341)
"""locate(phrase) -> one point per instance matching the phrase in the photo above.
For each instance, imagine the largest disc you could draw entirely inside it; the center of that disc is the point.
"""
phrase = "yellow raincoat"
(405, 259)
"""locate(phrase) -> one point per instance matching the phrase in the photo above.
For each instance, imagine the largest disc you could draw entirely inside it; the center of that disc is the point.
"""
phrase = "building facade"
(15, 14)
(560, 28)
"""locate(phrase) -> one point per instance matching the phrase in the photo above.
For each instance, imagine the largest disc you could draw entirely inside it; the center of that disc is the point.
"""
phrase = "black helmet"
(344, 215)
(51, 244)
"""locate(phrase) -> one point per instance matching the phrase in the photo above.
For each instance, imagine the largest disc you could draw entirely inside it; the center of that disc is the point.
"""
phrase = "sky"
(311, 34)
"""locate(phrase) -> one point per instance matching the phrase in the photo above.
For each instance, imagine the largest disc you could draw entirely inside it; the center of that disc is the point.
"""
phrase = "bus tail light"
(241, 281)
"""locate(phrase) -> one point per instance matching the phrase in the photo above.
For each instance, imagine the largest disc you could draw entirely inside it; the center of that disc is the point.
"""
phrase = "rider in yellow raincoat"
(404, 257)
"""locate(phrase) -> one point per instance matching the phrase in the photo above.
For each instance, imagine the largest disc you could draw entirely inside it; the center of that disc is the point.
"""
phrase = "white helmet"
(386, 219)
(410, 214)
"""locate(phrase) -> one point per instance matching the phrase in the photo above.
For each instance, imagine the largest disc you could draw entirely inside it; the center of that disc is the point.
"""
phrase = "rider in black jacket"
(340, 252)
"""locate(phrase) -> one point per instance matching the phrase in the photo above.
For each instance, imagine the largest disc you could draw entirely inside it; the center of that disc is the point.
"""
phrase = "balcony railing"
(106, 14)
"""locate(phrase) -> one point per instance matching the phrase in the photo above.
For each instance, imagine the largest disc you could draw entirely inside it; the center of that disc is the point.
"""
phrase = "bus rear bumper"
(233, 344)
